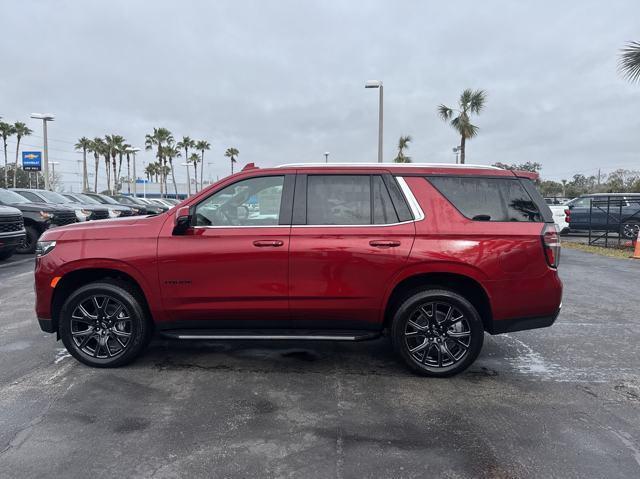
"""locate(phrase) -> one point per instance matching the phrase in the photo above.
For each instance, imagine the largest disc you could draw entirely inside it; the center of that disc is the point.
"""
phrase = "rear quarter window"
(489, 199)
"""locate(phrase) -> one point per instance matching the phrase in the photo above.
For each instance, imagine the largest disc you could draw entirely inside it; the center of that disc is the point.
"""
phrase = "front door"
(230, 270)
(350, 241)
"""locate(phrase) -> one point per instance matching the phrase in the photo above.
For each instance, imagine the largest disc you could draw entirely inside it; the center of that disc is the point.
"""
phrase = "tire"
(113, 332)
(629, 230)
(29, 245)
(7, 253)
(442, 353)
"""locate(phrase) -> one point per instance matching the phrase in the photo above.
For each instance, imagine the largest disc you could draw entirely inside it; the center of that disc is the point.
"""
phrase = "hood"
(41, 207)
(9, 211)
(128, 227)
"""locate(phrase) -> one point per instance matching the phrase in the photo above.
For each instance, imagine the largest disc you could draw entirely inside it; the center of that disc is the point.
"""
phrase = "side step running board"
(301, 335)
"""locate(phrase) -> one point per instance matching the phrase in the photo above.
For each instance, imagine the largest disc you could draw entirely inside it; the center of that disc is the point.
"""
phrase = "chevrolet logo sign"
(31, 156)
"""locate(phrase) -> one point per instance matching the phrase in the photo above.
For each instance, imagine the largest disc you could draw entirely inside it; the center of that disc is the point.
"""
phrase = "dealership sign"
(32, 161)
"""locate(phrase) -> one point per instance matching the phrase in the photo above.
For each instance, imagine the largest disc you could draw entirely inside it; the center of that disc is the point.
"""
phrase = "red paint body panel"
(316, 273)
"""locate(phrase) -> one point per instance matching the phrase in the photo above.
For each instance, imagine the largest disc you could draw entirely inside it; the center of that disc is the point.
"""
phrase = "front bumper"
(11, 240)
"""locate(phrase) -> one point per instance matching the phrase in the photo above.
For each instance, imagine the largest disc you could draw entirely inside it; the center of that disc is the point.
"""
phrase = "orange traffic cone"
(636, 253)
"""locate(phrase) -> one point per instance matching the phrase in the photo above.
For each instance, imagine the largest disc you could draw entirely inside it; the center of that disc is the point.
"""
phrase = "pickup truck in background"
(614, 212)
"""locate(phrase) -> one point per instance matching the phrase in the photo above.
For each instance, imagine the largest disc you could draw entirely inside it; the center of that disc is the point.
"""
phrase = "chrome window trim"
(414, 206)
(384, 166)
(418, 214)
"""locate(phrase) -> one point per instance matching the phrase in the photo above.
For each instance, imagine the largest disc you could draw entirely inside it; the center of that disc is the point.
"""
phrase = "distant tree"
(533, 167)
(403, 144)
(98, 148)
(202, 145)
(6, 130)
(169, 152)
(20, 130)
(159, 137)
(84, 145)
(629, 63)
(24, 179)
(469, 102)
(185, 144)
(231, 153)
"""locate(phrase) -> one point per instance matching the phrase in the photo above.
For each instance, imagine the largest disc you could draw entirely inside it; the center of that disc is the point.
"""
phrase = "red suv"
(435, 255)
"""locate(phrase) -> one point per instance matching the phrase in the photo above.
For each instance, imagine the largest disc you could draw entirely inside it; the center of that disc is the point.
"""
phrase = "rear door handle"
(268, 243)
(384, 243)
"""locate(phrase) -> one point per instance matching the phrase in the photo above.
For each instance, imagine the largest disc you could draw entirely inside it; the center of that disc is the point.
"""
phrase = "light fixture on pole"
(378, 84)
(457, 150)
(188, 180)
(45, 117)
(326, 157)
(133, 151)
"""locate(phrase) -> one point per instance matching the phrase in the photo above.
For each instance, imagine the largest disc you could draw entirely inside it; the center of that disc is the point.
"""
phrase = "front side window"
(251, 202)
(31, 196)
(488, 199)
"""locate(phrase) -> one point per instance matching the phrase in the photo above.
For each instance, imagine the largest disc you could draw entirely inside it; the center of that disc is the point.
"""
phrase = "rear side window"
(488, 199)
(349, 200)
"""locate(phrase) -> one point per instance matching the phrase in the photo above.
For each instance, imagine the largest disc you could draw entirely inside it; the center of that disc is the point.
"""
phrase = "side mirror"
(182, 221)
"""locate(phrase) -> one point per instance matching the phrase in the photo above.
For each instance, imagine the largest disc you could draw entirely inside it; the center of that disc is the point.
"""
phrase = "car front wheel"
(104, 325)
(437, 332)
(630, 229)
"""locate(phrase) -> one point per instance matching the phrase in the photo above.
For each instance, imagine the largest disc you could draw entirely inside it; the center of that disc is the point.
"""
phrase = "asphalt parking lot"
(559, 402)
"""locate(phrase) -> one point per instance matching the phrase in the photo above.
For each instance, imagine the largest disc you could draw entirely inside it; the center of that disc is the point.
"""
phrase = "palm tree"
(6, 130)
(20, 130)
(115, 144)
(169, 152)
(403, 144)
(122, 150)
(97, 147)
(231, 153)
(84, 144)
(159, 137)
(202, 145)
(470, 102)
(629, 63)
(185, 144)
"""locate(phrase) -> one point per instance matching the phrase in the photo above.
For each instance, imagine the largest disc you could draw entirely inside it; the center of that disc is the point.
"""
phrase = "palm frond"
(478, 99)
(444, 112)
(629, 63)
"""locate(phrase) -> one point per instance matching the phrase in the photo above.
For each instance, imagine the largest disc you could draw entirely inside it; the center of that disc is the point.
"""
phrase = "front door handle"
(384, 243)
(268, 243)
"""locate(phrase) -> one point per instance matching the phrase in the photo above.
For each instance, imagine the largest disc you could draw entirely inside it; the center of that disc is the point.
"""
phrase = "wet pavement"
(558, 402)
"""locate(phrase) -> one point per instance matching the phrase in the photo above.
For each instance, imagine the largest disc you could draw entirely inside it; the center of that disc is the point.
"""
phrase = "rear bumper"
(521, 324)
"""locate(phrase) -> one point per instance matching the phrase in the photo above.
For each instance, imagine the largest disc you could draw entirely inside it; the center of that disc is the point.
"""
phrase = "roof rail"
(386, 165)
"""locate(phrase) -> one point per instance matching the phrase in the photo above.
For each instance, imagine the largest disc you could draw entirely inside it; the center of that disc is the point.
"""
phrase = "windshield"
(9, 197)
(105, 199)
(53, 197)
(86, 199)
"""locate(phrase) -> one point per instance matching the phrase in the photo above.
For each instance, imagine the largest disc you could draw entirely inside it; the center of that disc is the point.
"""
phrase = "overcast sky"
(283, 81)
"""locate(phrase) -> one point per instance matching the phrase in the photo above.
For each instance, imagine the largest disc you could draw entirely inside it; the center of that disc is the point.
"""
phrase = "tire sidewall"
(631, 224)
(140, 329)
(403, 313)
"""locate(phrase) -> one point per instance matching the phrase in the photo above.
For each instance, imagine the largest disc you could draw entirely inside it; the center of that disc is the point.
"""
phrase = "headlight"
(44, 247)
(46, 215)
(114, 213)
(82, 215)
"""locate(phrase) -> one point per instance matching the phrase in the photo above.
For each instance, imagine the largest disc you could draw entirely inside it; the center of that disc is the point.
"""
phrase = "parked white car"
(557, 207)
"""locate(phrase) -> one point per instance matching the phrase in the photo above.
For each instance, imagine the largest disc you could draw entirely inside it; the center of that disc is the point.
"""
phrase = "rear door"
(351, 233)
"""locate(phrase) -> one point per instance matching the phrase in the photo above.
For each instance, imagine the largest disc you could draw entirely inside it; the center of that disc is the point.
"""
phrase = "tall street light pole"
(45, 117)
(133, 152)
(53, 170)
(378, 84)
(456, 150)
(326, 157)
(188, 180)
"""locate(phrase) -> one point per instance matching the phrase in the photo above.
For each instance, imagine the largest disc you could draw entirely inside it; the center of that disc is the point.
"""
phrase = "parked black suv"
(107, 200)
(114, 210)
(38, 217)
(614, 212)
(136, 203)
(84, 211)
(12, 232)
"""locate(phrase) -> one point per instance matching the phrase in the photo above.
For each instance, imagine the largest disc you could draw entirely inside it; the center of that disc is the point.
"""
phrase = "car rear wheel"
(30, 240)
(104, 325)
(630, 229)
(437, 332)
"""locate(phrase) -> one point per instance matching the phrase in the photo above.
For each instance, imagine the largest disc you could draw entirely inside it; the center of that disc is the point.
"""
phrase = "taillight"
(551, 244)
(567, 215)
